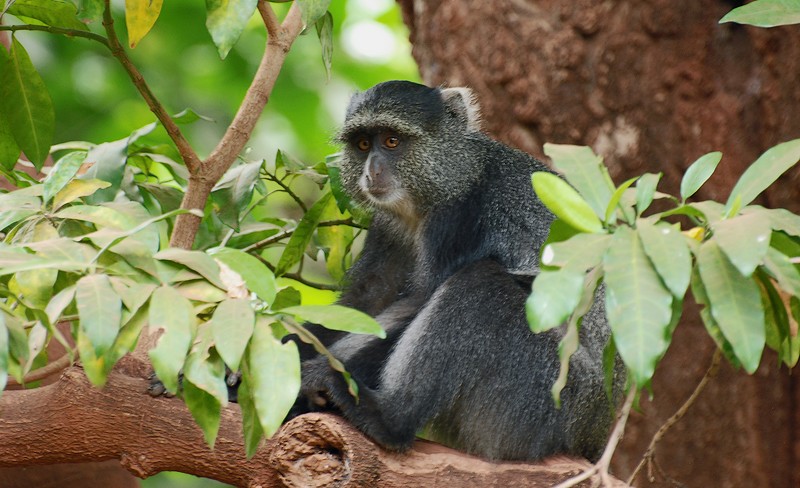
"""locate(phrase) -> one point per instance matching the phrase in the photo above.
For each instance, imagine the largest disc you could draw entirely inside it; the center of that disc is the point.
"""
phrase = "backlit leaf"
(205, 409)
(140, 15)
(325, 33)
(585, 171)
(565, 202)
(337, 317)
(293, 252)
(312, 10)
(646, 190)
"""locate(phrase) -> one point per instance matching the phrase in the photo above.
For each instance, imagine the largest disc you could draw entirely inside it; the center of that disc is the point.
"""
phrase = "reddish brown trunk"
(651, 86)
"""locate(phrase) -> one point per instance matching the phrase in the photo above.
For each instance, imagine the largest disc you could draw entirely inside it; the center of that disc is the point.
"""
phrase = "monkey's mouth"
(382, 195)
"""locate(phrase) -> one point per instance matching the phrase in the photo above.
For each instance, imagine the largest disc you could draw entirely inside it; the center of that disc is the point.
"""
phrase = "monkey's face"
(372, 160)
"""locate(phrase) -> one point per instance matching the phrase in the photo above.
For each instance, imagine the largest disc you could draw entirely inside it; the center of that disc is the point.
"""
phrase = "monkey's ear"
(462, 102)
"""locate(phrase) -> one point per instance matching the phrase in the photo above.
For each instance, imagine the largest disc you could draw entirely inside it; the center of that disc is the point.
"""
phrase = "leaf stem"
(57, 30)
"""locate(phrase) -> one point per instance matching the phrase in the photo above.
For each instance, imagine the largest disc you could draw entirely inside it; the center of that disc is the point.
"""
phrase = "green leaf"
(745, 240)
(258, 278)
(698, 173)
(251, 425)
(764, 171)
(555, 296)
(172, 313)
(325, 33)
(233, 192)
(226, 20)
(205, 409)
(107, 162)
(100, 310)
(286, 297)
(62, 172)
(711, 325)
(637, 305)
(565, 202)
(336, 240)
(275, 376)
(765, 13)
(775, 317)
(667, 250)
(566, 348)
(312, 10)
(140, 15)
(9, 150)
(735, 304)
(204, 366)
(585, 171)
(578, 253)
(197, 261)
(337, 317)
(293, 252)
(782, 269)
(55, 13)
(232, 326)
(26, 104)
(646, 190)
(612, 204)
(76, 189)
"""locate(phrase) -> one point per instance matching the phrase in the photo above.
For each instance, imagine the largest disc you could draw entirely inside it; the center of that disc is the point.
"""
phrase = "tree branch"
(48, 370)
(238, 133)
(148, 435)
(57, 30)
(187, 153)
(649, 454)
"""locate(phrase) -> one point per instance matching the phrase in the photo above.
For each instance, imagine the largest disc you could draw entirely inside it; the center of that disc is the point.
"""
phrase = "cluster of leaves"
(87, 246)
(740, 260)
(27, 116)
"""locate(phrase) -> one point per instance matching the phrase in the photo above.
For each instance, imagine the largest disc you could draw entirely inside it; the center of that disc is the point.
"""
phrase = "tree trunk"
(651, 86)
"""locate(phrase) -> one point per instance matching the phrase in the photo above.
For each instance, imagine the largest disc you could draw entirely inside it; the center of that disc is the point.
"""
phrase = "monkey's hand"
(322, 389)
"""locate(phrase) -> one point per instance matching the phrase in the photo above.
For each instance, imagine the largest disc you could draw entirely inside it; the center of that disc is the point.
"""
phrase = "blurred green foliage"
(95, 100)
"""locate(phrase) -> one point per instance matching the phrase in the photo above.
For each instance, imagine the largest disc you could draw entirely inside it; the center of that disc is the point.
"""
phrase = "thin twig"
(649, 454)
(601, 467)
(299, 278)
(274, 178)
(47, 370)
(57, 30)
(270, 20)
(190, 158)
(288, 233)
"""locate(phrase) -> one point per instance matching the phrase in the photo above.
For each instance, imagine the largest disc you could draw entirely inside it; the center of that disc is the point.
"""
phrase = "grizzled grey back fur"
(446, 269)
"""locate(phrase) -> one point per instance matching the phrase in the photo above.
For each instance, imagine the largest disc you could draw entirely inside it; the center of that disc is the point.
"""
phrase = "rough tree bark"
(651, 86)
(76, 422)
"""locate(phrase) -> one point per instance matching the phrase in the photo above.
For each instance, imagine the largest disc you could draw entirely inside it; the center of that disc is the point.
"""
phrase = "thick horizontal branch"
(71, 421)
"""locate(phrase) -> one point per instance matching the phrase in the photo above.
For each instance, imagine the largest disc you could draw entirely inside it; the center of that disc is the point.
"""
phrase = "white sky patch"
(369, 41)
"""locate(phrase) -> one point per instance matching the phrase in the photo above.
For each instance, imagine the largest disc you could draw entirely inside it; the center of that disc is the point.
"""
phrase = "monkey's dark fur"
(446, 269)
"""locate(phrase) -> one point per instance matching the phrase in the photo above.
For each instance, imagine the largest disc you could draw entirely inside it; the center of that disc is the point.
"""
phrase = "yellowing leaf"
(140, 15)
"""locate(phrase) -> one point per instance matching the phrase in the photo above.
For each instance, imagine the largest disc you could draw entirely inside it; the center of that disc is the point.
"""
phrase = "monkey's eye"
(363, 144)
(391, 142)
